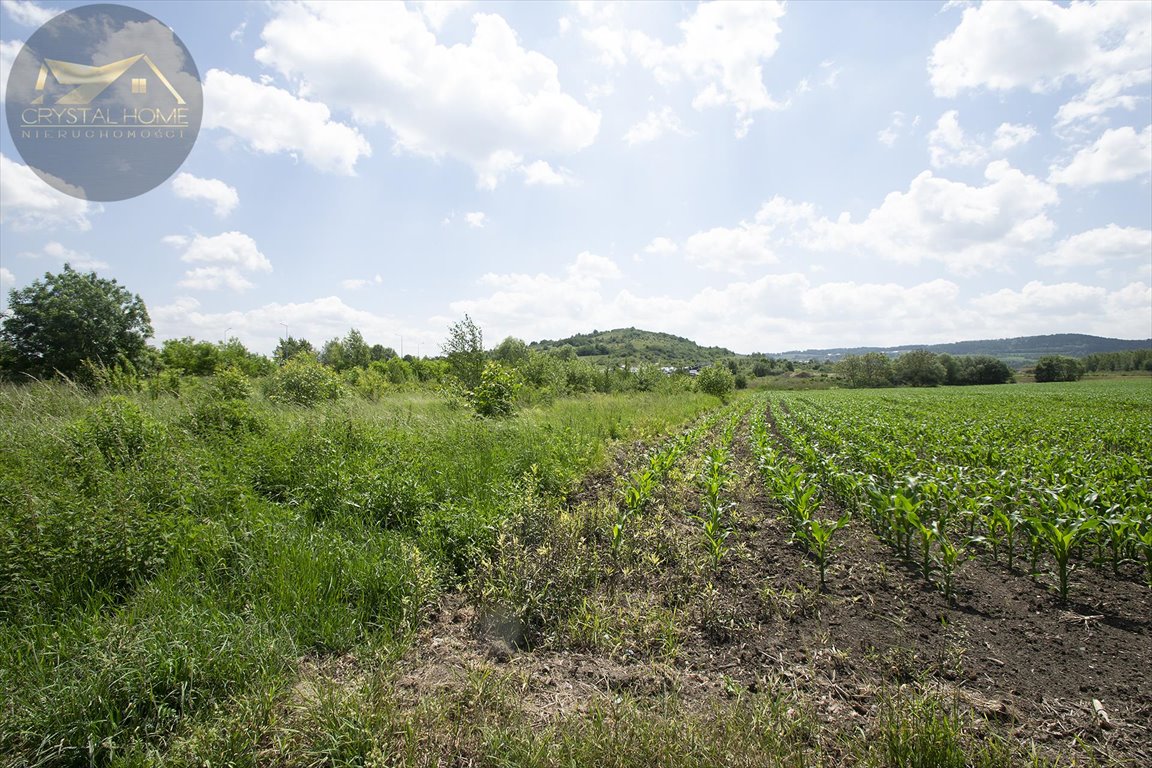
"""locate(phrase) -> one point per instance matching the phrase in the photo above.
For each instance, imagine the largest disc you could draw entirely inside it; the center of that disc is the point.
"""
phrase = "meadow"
(900, 577)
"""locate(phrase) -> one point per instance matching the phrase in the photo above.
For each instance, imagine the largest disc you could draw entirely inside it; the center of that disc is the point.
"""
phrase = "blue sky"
(758, 176)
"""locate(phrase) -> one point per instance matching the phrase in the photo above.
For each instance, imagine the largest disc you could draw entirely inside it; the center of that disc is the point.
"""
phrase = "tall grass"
(165, 562)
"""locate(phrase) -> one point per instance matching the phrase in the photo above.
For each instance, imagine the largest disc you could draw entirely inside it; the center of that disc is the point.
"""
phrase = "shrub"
(716, 380)
(303, 381)
(231, 383)
(496, 394)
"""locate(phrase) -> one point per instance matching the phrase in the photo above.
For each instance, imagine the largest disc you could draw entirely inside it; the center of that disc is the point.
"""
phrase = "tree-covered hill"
(634, 346)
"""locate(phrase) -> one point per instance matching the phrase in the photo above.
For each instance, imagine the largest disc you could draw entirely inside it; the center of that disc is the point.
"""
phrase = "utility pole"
(285, 330)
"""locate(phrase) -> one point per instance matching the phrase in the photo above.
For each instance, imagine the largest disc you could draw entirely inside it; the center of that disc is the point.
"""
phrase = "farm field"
(899, 577)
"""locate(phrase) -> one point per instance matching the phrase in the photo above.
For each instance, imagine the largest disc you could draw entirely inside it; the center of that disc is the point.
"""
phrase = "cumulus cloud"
(654, 125)
(7, 279)
(1118, 155)
(27, 13)
(967, 228)
(1100, 246)
(489, 102)
(222, 197)
(228, 255)
(722, 50)
(476, 219)
(1040, 46)
(948, 144)
(28, 202)
(271, 120)
(543, 174)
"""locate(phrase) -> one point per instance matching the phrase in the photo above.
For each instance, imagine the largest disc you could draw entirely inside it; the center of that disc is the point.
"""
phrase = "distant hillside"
(1021, 350)
(633, 346)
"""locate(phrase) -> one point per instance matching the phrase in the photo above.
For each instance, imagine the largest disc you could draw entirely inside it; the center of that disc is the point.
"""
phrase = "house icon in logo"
(91, 81)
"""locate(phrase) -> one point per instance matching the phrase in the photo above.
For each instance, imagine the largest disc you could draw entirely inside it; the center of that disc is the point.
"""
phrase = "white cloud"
(1042, 46)
(1009, 136)
(489, 103)
(260, 328)
(436, 12)
(949, 145)
(541, 173)
(271, 120)
(9, 49)
(654, 125)
(28, 202)
(221, 196)
(1040, 298)
(1118, 155)
(27, 13)
(722, 50)
(7, 279)
(356, 284)
(476, 219)
(1099, 246)
(58, 252)
(966, 228)
(228, 255)
(661, 246)
(212, 278)
(890, 134)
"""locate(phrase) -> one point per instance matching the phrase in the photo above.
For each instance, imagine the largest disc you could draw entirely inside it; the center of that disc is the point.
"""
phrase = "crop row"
(935, 476)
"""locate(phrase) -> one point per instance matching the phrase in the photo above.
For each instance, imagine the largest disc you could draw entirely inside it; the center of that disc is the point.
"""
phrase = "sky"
(759, 176)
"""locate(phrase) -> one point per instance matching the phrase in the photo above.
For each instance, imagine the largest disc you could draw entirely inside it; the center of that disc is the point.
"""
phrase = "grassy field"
(605, 580)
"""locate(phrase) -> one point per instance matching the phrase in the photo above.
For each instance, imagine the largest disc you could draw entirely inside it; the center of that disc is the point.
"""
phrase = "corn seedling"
(817, 536)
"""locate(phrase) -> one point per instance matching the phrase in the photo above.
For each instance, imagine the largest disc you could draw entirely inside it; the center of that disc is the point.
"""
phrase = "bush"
(716, 380)
(496, 394)
(231, 384)
(303, 381)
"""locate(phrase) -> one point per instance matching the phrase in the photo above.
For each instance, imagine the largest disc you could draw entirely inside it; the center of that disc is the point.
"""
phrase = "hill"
(1017, 351)
(634, 346)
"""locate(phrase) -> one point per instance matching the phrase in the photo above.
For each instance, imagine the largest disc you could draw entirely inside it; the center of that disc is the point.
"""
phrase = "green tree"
(1058, 368)
(290, 347)
(195, 358)
(511, 351)
(57, 323)
(464, 349)
(919, 368)
(869, 370)
(716, 380)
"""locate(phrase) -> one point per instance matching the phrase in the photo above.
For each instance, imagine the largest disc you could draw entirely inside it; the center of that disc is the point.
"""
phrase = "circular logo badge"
(104, 102)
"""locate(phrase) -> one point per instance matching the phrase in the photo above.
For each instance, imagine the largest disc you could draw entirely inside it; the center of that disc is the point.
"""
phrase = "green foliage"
(288, 348)
(495, 396)
(716, 380)
(1058, 368)
(464, 349)
(919, 368)
(864, 371)
(303, 381)
(117, 428)
(57, 323)
(231, 384)
(630, 346)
